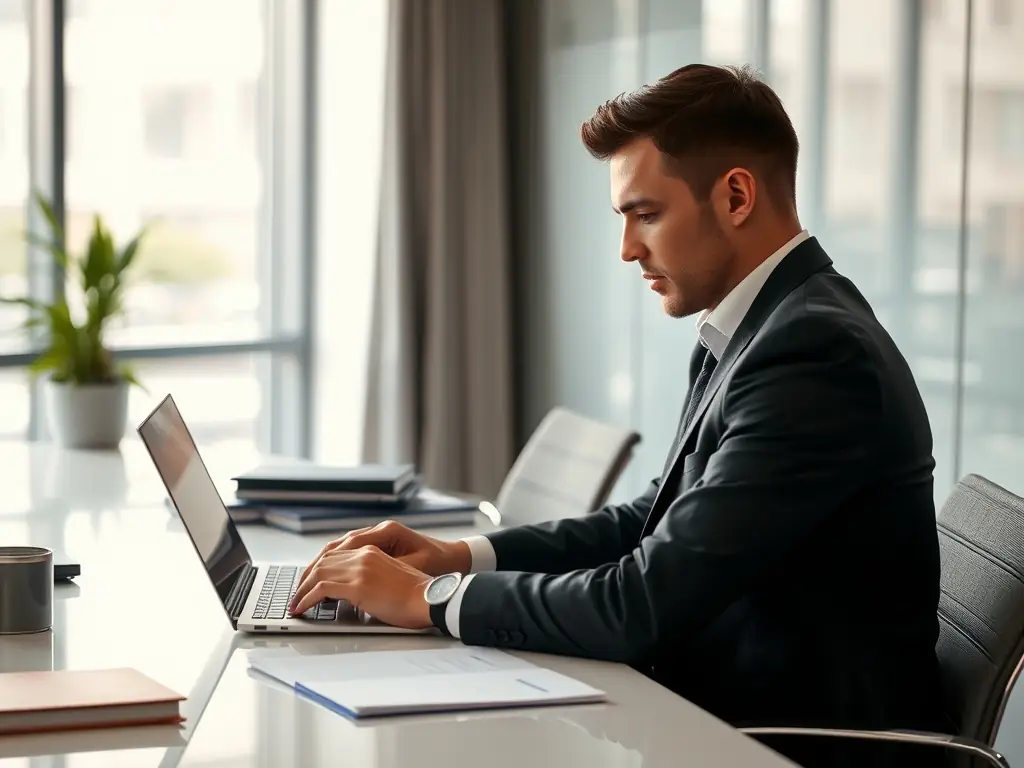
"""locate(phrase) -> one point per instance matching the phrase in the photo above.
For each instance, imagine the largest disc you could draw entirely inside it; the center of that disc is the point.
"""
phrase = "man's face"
(677, 240)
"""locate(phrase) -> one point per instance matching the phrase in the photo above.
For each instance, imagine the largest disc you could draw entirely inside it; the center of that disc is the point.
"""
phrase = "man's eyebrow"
(629, 205)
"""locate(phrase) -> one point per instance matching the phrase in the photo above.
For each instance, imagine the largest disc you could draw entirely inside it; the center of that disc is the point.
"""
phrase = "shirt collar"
(717, 327)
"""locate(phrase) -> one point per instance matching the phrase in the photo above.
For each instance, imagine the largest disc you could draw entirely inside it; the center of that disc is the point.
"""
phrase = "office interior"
(368, 249)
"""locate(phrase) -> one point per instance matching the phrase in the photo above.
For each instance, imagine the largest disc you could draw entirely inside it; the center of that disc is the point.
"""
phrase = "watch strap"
(437, 617)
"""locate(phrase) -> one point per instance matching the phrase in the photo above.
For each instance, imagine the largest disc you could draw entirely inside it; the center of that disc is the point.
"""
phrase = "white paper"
(377, 665)
(425, 693)
(380, 682)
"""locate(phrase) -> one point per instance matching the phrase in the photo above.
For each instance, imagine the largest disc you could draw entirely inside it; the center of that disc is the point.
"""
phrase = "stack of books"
(310, 498)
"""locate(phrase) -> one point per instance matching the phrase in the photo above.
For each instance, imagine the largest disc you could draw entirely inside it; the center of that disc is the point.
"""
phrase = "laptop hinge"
(240, 591)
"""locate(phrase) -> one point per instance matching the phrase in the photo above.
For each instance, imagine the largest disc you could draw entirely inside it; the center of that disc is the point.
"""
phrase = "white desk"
(143, 601)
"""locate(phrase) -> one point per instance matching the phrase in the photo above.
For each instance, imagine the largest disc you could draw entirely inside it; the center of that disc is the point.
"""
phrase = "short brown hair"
(707, 119)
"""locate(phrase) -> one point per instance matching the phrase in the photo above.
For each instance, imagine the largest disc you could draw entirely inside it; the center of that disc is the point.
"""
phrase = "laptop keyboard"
(278, 588)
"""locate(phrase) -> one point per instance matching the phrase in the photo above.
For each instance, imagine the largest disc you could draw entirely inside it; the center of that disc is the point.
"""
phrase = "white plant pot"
(90, 416)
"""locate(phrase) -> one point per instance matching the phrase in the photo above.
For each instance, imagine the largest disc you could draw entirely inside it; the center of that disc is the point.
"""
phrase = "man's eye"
(647, 218)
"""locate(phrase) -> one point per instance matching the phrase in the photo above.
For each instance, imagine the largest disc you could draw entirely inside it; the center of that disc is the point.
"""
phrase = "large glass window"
(14, 63)
(180, 117)
(993, 418)
(351, 61)
(170, 140)
(879, 173)
(221, 398)
(14, 403)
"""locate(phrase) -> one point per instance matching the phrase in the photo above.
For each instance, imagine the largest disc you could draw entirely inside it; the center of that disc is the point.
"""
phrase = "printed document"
(427, 680)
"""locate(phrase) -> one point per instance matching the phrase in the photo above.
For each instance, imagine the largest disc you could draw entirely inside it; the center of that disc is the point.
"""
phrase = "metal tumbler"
(26, 590)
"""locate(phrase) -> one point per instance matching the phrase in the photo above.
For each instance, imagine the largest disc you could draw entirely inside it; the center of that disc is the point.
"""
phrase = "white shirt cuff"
(451, 611)
(482, 555)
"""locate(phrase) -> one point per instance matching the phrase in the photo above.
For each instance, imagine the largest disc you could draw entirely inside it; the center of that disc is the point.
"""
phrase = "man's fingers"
(329, 547)
(317, 572)
(376, 535)
(322, 590)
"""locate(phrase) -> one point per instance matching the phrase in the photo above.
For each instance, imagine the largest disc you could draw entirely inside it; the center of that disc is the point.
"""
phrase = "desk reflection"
(285, 729)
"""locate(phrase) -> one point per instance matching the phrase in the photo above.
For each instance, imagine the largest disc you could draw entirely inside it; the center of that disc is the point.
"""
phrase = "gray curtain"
(440, 376)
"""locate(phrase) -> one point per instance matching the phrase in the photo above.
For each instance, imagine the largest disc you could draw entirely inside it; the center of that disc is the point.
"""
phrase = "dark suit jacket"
(784, 568)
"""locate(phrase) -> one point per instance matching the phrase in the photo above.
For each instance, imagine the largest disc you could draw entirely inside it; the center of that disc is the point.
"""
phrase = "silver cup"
(26, 590)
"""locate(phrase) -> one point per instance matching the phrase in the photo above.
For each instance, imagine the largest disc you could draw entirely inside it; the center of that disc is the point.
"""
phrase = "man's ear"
(739, 192)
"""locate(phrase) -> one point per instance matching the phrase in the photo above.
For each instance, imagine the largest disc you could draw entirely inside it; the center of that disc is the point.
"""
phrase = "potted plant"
(86, 389)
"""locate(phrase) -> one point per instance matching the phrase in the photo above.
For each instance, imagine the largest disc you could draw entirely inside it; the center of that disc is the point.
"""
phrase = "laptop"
(255, 596)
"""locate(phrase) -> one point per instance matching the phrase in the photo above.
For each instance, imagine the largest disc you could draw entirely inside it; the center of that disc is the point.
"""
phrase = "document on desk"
(365, 684)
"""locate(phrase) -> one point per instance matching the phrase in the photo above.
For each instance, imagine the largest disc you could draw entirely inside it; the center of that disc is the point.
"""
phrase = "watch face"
(442, 588)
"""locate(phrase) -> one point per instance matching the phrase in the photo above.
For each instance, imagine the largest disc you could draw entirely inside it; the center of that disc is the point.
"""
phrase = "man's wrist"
(421, 608)
(460, 557)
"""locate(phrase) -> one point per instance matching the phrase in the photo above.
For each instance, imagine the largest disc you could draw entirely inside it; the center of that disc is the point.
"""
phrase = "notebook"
(425, 509)
(302, 482)
(375, 683)
(73, 699)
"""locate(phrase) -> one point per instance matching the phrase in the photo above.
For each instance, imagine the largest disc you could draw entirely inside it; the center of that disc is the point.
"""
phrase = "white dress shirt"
(715, 328)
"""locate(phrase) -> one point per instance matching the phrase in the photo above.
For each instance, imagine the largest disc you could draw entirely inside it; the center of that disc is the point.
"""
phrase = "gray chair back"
(567, 468)
(981, 605)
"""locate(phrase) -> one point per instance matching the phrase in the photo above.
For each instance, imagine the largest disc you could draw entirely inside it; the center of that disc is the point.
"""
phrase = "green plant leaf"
(128, 254)
(55, 249)
(50, 360)
(99, 256)
(127, 373)
(25, 302)
(55, 227)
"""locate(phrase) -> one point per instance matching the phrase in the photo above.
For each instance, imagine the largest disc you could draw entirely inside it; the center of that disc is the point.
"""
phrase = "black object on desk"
(66, 571)
(64, 568)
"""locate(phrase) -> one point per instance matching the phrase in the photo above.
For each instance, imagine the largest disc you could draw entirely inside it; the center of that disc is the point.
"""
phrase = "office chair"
(567, 468)
(981, 624)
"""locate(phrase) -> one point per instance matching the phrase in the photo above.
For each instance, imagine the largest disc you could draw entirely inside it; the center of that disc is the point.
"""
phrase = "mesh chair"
(567, 468)
(981, 623)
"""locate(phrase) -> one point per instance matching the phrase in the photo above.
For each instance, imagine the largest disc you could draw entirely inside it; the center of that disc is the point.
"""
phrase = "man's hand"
(373, 582)
(431, 556)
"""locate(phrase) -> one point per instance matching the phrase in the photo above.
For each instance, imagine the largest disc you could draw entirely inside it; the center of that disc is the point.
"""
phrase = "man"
(783, 569)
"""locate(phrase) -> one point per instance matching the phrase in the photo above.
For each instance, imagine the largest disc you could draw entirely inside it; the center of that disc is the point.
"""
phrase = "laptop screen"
(195, 496)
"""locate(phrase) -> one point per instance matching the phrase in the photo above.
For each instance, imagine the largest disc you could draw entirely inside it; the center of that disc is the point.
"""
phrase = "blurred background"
(288, 207)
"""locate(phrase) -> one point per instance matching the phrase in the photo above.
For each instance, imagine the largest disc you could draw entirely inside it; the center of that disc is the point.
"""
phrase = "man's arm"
(801, 421)
(565, 545)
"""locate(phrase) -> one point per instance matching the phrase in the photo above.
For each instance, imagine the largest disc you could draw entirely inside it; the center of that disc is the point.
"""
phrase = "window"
(859, 124)
(165, 113)
(1010, 124)
(12, 11)
(248, 117)
(218, 301)
(220, 398)
(177, 134)
(352, 49)
(14, 394)
(14, 61)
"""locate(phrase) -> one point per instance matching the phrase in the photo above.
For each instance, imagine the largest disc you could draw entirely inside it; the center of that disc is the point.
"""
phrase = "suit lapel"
(802, 262)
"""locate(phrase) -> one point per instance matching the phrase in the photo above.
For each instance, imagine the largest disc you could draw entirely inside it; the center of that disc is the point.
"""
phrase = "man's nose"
(631, 250)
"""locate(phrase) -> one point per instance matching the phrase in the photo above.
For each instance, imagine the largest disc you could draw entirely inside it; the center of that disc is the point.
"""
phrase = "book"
(375, 683)
(74, 699)
(427, 508)
(375, 483)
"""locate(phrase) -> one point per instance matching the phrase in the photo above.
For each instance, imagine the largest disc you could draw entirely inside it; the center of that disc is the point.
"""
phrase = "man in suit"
(783, 568)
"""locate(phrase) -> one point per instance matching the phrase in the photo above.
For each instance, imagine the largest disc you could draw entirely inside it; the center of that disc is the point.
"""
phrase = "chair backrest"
(981, 605)
(567, 468)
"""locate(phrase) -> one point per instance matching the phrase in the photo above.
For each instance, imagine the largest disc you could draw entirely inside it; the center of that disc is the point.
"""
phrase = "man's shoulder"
(826, 310)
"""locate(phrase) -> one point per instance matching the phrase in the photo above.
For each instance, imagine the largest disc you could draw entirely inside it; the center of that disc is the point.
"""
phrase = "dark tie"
(699, 386)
